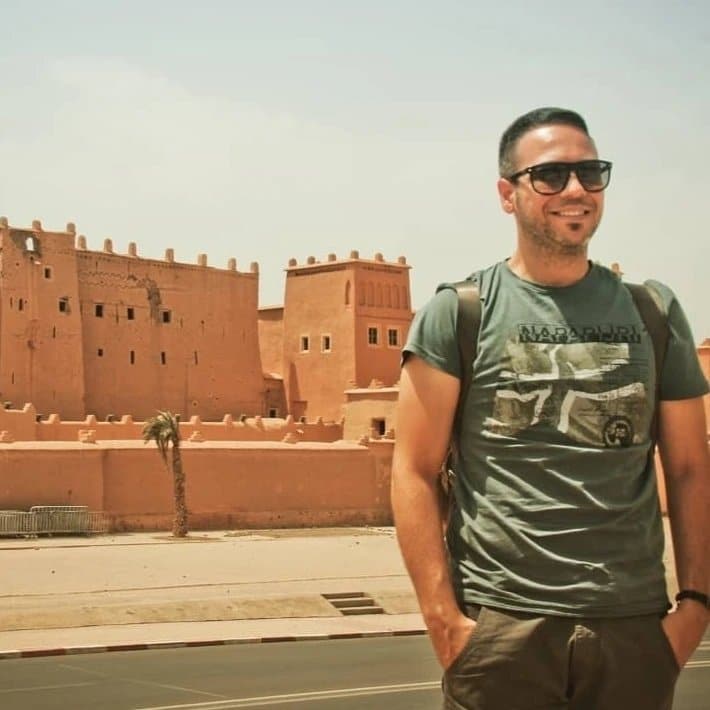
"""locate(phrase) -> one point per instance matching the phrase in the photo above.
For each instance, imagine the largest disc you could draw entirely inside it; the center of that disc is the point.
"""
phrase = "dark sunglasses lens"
(549, 179)
(593, 176)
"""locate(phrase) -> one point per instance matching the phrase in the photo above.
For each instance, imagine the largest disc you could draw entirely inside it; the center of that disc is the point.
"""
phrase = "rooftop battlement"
(81, 245)
(354, 257)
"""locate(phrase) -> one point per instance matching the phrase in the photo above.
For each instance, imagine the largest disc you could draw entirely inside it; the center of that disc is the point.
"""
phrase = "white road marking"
(299, 697)
(697, 664)
(44, 687)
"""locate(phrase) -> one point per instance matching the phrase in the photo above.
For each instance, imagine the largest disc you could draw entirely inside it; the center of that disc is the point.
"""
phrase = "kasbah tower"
(97, 332)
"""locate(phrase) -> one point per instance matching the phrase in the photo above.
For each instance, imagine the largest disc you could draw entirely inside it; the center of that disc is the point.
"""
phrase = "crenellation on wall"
(377, 260)
(22, 426)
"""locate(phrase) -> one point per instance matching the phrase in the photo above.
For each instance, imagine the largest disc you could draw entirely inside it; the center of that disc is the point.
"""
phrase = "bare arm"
(427, 401)
(686, 465)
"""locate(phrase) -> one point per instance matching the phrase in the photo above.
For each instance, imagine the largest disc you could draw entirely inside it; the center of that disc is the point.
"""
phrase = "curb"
(157, 645)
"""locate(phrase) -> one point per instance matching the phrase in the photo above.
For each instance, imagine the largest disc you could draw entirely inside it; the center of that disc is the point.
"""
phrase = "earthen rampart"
(229, 484)
(26, 425)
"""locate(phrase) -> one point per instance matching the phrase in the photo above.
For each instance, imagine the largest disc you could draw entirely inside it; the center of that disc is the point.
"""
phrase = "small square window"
(63, 305)
(325, 343)
(392, 337)
(373, 336)
(130, 313)
(99, 310)
(100, 352)
(166, 316)
(47, 272)
(305, 344)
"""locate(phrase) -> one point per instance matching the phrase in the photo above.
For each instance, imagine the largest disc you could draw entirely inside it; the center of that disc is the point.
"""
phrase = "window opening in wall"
(378, 425)
(47, 272)
(163, 359)
(130, 313)
(372, 336)
(10, 301)
(100, 352)
(392, 337)
(54, 332)
(166, 316)
(63, 305)
(99, 310)
(273, 412)
(347, 293)
(325, 343)
(195, 353)
(305, 344)
(132, 357)
(20, 304)
(12, 379)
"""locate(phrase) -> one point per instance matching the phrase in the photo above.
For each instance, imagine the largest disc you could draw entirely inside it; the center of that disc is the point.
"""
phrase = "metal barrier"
(53, 520)
(17, 522)
(61, 518)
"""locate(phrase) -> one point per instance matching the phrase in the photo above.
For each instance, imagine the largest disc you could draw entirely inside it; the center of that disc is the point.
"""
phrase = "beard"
(554, 243)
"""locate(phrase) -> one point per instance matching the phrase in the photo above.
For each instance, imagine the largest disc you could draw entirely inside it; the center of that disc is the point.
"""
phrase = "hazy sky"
(268, 129)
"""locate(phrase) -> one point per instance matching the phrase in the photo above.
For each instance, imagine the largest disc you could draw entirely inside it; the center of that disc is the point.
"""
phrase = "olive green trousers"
(518, 661)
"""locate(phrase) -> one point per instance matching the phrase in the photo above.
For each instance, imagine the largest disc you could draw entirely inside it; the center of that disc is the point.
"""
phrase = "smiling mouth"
(569, 212)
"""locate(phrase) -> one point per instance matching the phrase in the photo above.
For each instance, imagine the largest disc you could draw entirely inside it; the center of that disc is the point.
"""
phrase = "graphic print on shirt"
(580, 381)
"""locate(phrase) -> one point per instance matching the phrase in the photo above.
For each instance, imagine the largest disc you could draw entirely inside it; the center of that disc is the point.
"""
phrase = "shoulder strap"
(650, 307)
(468, 323)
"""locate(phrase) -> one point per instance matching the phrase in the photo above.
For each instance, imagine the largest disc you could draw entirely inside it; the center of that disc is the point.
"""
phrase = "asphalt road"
(358, 674)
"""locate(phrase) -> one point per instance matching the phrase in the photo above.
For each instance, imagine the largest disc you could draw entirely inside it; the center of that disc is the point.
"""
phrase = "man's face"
(560, 224)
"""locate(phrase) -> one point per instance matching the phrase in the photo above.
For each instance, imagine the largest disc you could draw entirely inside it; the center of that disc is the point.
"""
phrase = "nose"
(574, 186)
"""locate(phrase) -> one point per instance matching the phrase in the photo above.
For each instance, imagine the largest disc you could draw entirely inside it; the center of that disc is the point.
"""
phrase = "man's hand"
(684, 628)
(449, 640)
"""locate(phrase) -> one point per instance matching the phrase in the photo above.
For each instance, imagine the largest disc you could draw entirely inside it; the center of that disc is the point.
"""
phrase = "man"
(549, 591)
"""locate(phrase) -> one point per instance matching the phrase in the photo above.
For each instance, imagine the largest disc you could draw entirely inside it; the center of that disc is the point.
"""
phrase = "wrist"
(693, 596)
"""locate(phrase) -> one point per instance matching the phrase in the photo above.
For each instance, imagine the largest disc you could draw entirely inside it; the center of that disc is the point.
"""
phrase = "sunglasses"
(551, 178)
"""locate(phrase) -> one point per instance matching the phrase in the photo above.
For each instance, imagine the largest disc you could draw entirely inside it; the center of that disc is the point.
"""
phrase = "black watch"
(694, 595)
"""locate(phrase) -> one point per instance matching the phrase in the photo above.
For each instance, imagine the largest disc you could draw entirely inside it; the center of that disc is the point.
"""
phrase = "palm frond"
(164, 430)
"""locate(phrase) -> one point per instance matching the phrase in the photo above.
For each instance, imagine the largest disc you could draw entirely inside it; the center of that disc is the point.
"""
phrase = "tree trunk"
(180, 519)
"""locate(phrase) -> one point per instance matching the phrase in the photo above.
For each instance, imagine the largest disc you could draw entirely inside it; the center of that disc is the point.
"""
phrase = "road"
(357, 674)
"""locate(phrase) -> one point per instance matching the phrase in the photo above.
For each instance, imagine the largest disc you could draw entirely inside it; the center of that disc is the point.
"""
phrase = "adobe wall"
(21, 425)
(316, 309)
(99, 332)
(40, 345)
(354, 314)
(166, 335)
(364, 405)
(228, 485)
(383, 303)
(271, 339)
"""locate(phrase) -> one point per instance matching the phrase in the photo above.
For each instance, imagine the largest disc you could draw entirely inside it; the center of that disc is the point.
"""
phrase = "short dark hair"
(533, 119)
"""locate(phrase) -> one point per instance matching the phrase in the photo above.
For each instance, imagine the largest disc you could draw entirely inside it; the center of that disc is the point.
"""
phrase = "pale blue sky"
(272, 129)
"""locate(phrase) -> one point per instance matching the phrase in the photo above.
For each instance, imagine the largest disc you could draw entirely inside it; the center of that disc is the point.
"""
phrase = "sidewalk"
(145, 590)
(77, 594)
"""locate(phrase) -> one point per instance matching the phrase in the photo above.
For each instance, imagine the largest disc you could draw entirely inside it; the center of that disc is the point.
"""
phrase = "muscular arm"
(427, 401)
(686, 466)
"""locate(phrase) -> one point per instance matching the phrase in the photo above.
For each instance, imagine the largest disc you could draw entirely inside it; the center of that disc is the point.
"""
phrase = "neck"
(549, 269)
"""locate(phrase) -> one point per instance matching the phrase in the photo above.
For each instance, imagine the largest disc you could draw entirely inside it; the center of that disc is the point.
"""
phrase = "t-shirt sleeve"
(432, 335)
(682, 376)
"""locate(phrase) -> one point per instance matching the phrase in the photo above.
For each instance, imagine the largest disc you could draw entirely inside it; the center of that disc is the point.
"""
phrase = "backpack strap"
(468, 323)
(650, 306)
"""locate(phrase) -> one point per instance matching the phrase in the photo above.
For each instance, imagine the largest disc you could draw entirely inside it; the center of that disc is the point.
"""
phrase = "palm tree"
(164, 430)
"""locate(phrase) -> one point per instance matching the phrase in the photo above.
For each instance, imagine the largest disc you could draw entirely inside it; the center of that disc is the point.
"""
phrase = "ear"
(506, 192)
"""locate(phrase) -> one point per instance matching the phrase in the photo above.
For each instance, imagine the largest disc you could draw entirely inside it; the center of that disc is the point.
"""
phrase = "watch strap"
(696, 596)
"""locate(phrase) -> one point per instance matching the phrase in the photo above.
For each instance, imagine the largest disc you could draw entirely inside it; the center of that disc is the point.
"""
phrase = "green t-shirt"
(557, 508)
